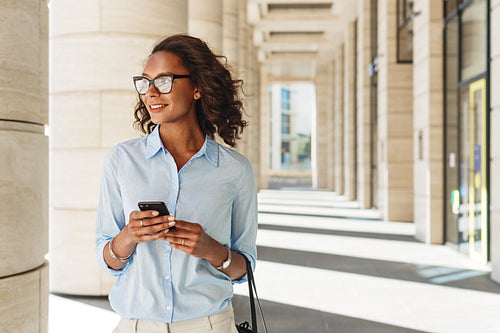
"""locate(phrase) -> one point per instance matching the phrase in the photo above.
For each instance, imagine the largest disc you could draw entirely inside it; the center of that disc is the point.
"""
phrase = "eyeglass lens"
(163, 84)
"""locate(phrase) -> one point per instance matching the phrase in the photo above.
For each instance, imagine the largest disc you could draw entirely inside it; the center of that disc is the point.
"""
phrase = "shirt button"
(167, 277)
(169, 308)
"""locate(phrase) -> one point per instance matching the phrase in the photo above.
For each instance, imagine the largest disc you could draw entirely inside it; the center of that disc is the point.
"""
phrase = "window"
(285, 99)
(285, 123)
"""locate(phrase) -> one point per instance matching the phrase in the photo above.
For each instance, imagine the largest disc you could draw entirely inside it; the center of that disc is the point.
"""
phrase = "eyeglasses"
(162, 83)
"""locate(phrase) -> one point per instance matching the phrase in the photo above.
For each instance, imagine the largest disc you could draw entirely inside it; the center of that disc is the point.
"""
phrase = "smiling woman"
(186, 96)
(218, 108)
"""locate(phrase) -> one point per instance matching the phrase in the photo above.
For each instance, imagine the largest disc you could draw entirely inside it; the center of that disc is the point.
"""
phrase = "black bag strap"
(251, 289)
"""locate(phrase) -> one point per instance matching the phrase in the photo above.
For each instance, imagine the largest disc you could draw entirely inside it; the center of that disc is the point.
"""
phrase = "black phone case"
(154, 205)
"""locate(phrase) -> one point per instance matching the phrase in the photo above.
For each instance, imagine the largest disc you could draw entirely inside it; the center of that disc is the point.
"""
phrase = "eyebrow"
(165, 73)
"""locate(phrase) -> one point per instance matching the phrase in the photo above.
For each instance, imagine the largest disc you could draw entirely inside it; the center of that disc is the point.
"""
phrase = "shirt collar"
(153, 143)
(210, 148)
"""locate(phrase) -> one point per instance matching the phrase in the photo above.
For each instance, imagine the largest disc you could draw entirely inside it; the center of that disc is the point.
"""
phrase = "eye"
(163, 83)
(142, 85)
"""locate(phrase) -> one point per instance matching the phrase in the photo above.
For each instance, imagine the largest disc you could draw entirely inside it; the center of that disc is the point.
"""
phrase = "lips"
(156, 107)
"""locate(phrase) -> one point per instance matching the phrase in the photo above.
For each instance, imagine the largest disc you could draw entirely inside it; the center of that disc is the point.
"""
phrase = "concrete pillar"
(97, 46)
(321, 125)
(395, 122)
(205, 22)
(244, 43)
(230, 34)
(364, 91)
(495, 141)
(247, 70)
(330, 127)
(428, 121)
(254, 144)
(339, 119)
(350, 112)
(24, 285)
(265, 128)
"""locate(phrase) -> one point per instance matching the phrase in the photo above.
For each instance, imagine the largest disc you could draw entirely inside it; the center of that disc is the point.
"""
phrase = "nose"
(152, 90)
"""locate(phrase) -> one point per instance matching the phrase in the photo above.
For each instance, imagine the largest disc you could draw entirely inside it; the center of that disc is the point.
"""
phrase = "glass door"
(472, 197)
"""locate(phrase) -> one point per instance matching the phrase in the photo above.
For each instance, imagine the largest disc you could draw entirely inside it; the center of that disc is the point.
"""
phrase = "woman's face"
(176, 106)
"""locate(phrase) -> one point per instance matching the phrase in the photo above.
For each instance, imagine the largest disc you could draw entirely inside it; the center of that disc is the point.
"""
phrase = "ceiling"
(293, 36)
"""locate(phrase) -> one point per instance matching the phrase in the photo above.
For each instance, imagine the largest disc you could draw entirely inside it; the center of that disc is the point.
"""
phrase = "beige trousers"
(222, 322)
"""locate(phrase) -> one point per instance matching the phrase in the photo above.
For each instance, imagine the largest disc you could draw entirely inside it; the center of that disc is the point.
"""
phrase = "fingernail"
(171, 224)
(166, 231)
(155, 213)
(171, 218)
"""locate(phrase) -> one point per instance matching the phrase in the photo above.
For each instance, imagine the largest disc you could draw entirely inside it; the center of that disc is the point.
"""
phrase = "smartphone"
(159, 206)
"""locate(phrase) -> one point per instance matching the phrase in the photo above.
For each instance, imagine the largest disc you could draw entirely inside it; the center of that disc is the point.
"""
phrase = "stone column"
(350, 112)
(495, 141)
(364, 105)
(254, 143)
(428, 121)
(321, 125)
(238, 42)
(395, 122)
(265, 129)
(24, 284)
(330, 127)
(339, 119)
(97, 46)
(244, 44)
(230, 34)
(205, 22)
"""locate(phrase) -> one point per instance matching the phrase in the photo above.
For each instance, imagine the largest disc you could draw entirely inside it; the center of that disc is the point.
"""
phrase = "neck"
(178, 138)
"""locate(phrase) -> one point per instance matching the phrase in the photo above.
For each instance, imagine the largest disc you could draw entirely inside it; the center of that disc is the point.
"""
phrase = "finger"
(183, 248)
(180, 241)
(179, 224)
(166, 219)
(138, 214)
(182, 233)
(149, 237)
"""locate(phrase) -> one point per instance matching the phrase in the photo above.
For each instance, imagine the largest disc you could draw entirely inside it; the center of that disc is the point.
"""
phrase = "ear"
(197, 94)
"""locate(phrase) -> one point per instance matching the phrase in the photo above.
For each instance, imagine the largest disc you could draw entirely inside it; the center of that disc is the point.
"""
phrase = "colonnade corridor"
(325, 265)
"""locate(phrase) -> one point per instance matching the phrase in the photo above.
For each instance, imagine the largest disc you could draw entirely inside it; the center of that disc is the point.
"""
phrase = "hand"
(190, 238)
(147, 226)
(143, 226)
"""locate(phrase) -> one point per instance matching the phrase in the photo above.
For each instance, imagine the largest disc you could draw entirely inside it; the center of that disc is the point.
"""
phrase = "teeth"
(157, 106)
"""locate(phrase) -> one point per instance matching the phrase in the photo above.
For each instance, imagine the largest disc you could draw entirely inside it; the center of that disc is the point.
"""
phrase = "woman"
(179, 279)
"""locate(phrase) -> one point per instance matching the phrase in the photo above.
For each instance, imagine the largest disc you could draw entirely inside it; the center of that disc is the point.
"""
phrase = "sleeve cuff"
(100, 259)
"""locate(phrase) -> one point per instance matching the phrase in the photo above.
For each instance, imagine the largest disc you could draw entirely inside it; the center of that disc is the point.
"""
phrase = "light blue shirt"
(216, 189)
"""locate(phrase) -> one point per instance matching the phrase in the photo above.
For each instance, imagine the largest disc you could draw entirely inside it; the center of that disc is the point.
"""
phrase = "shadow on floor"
(436, 275)
(358, 234)
(283, 318)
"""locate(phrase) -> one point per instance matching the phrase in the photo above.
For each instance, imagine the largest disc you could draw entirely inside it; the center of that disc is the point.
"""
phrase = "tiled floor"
(327, 266)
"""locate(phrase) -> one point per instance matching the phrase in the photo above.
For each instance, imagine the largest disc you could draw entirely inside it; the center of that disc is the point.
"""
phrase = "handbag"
(245, 326)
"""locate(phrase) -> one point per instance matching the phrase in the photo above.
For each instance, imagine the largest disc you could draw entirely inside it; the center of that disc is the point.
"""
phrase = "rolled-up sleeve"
(245, 219)
(110, 218)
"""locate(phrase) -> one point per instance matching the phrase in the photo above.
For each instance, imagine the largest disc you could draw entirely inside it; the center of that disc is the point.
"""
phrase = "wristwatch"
(227, 262)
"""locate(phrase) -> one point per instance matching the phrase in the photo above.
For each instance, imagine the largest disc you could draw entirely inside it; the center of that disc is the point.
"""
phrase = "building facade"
(406, 111)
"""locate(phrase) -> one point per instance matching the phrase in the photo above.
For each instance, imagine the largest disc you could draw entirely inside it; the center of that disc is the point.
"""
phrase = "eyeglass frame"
(152, 81)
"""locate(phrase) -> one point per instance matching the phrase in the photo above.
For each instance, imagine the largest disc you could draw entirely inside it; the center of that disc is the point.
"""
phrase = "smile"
(157, 106)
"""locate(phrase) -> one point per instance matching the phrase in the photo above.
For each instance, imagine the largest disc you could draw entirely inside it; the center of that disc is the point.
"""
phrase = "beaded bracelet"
(111, 253)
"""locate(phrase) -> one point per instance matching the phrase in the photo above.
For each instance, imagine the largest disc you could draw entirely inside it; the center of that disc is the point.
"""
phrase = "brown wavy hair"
(220, 109)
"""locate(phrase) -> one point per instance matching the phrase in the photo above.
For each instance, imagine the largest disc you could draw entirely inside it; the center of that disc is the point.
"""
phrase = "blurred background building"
(391, 103)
